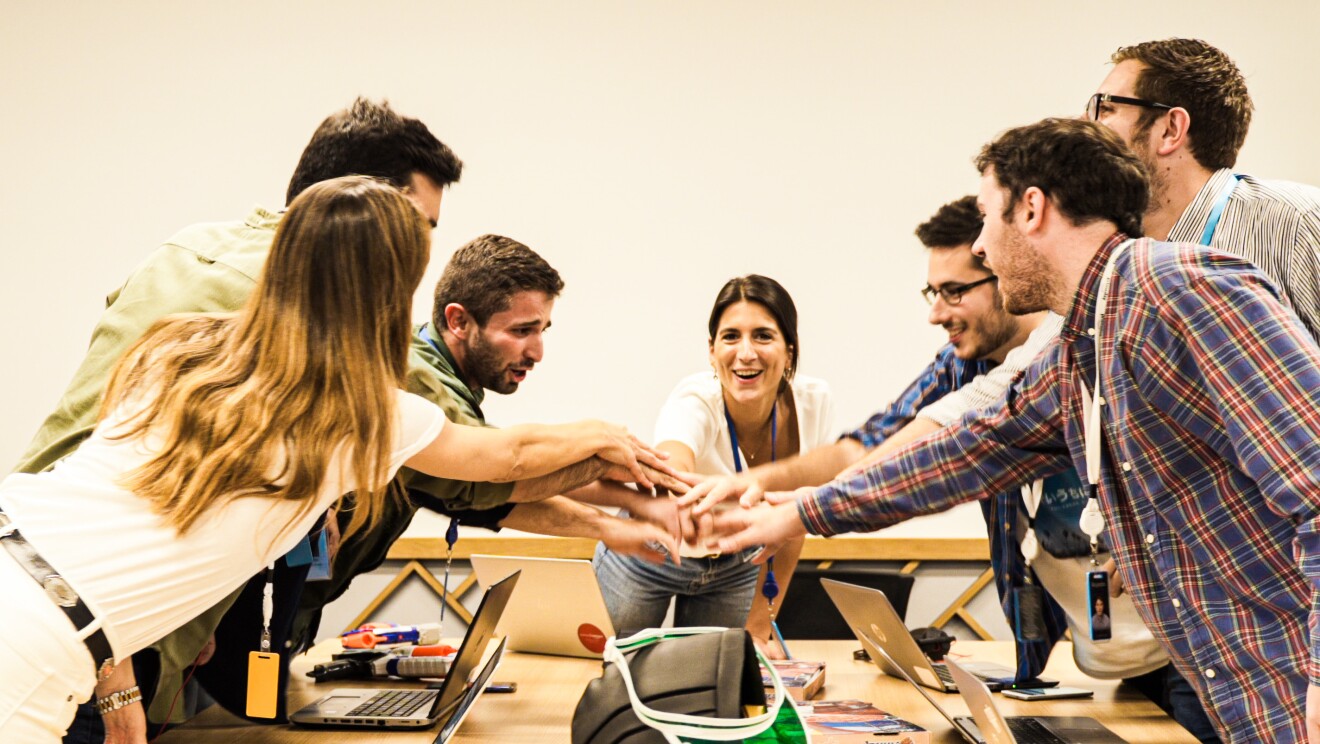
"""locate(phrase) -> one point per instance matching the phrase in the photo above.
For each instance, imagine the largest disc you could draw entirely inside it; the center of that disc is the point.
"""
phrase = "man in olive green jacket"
(213, 268)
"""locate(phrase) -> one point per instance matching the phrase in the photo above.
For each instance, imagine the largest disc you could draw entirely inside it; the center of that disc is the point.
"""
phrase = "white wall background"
(649, 150)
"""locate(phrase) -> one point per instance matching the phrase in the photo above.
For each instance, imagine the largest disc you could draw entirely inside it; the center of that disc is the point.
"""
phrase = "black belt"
(61, 594)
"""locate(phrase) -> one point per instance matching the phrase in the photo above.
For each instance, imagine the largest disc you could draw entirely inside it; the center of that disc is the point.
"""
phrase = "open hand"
(639, 539)
(708, 494)
(675, 481)
(771, 526)
(618, 447)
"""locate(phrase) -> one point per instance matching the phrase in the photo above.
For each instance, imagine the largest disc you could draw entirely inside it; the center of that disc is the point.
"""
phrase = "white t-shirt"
(141, 578)
(694, 416)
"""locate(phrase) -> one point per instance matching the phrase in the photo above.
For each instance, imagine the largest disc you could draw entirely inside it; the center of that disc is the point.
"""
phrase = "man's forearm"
(560, 481)
(606, 493)
(917, 428)
(558, 516)
(811, 469)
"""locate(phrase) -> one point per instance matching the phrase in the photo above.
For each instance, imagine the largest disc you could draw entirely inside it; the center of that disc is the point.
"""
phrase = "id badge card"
(263, 684)
(1029, 613)
(1097, 601)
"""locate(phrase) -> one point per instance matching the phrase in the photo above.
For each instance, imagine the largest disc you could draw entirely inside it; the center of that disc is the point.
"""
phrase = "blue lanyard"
(733, 436)
(426, 336)
(1217, 210)
(770, 588)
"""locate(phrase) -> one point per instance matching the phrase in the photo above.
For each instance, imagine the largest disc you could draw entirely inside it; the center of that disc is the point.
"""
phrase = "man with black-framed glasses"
(1183, 108)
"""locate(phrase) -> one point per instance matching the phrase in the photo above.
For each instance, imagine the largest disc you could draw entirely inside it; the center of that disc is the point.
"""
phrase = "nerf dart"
(372, 635)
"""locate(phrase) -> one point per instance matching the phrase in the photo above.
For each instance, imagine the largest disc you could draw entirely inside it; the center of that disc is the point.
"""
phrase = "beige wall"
(649, 150)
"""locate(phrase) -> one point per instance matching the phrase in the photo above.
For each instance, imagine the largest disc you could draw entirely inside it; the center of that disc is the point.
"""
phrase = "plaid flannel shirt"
(1211, 475)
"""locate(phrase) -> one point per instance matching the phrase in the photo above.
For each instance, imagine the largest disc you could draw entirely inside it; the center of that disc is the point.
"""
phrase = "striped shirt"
(1273, 224)
(1211, 483)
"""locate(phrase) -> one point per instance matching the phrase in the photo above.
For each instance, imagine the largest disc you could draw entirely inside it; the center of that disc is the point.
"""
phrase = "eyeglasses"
(1093, 104)
(953, 294)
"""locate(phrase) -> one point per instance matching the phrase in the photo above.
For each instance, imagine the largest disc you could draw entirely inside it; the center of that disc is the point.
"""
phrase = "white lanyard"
(1092, 522)
(267, 607)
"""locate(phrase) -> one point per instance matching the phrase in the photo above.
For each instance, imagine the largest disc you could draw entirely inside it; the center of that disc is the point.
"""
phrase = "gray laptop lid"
(995, 728)
(869, 613)
(473, 647)
(470, 695)
(871, 617)
(558, 608)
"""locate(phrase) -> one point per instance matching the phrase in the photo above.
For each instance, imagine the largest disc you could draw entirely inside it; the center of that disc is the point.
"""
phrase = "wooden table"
(549, 688)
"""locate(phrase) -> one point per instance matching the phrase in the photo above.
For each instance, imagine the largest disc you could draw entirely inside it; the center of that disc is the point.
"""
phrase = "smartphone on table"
(1047, 693)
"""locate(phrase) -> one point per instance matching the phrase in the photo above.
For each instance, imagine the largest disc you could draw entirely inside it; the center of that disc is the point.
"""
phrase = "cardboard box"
(802, 679)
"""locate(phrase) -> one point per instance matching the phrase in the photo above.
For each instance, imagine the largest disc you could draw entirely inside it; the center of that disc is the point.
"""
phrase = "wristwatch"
(117, 700)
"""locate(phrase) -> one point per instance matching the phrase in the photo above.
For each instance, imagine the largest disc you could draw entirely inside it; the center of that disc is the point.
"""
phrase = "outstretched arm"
(564, 517)
(530, 450)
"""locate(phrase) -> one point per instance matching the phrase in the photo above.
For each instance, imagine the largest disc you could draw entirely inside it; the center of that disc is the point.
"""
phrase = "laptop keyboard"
(944, 674)
(1031, 731)
(394, 703)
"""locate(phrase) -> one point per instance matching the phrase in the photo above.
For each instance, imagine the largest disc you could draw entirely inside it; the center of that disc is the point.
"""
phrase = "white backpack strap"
(674, 725)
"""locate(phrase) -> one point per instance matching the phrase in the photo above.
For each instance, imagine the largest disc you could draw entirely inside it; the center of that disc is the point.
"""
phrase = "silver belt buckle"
(59, 590)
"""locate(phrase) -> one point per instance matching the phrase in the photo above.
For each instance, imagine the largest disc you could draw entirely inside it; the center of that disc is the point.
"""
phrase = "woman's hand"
(705, 496)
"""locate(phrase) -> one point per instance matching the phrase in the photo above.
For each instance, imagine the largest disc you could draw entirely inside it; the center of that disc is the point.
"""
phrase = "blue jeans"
(708, 591)
(1168, 689)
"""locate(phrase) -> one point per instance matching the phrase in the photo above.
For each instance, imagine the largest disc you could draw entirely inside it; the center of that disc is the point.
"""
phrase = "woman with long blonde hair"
(223, 438)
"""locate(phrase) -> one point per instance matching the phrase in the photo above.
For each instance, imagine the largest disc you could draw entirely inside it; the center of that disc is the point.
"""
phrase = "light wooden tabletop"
(549, 687)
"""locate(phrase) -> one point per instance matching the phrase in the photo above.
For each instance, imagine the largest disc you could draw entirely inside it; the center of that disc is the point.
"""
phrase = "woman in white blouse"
(749, 410)
(224, 437)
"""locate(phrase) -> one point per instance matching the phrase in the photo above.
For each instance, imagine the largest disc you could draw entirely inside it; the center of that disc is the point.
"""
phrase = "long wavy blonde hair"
(262, 402)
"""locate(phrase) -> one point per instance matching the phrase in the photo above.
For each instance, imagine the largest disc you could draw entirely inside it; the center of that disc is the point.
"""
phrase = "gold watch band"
(117, 700)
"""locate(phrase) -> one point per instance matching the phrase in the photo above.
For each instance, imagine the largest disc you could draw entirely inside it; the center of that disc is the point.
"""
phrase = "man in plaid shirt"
(1209, 400)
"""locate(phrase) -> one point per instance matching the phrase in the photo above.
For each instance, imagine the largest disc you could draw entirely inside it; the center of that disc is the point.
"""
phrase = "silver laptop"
(376, 708)
(989, 726)
(473, 692)
(873, 620)
(558, 608)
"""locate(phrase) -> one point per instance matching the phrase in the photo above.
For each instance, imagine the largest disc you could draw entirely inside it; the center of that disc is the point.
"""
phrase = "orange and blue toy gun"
(372, 635)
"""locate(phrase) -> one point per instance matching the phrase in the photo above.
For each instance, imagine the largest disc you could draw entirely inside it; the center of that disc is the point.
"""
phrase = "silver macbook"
(412, 709)
(873, 620)
(989, 726)
(558, 608)
(473, 692)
